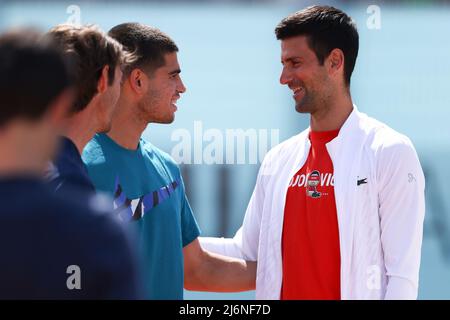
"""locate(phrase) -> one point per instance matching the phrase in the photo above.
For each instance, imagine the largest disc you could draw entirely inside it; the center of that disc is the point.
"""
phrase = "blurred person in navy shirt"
(53, 245)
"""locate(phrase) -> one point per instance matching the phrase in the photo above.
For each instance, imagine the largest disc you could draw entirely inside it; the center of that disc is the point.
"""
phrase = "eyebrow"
(290, 59)
(174, 72)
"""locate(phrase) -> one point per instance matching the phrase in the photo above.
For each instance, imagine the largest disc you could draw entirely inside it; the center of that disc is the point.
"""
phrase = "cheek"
(300, 75)
(170, 90)
(311, 78)
(321, 81)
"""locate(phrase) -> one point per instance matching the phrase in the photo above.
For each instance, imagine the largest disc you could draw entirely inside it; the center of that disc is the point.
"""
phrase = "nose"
(180, 87)
(285, 76)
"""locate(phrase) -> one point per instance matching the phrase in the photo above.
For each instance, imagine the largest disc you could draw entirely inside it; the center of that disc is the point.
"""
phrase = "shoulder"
(383, 139)
(285, 148)
(69, 208)
(390, 148)
(87, 213)
(93, 153)
(281, 155)
(156, 154)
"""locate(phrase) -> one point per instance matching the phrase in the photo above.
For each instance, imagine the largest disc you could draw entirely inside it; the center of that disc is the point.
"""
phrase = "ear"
(102, 84)
(335, 62)
(137, 81)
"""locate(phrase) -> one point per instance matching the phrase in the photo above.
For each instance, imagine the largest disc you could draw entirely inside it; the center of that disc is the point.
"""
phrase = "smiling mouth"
(298, 91)
(173, 102)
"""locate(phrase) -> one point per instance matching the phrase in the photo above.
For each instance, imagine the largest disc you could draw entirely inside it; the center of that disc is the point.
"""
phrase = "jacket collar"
(348, 128)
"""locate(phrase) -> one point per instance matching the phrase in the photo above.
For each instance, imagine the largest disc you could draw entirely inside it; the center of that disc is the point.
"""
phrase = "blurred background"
(230, 64)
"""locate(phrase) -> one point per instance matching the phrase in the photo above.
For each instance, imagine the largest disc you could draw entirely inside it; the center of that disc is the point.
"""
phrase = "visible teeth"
(297, 89)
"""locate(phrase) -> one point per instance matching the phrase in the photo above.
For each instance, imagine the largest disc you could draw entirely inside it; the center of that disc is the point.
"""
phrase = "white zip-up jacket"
(380, 221)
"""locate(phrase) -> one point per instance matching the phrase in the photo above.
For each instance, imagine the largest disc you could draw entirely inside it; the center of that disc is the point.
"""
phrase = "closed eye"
(174, 74)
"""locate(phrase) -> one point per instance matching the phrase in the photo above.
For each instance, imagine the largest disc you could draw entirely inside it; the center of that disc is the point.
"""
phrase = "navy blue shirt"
(68, 169)
(44, 235)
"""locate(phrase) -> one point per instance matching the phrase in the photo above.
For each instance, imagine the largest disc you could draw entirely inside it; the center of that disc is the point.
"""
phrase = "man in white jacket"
(337, 211)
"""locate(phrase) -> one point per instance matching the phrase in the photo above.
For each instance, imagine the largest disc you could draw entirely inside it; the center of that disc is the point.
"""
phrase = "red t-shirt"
(310, 243)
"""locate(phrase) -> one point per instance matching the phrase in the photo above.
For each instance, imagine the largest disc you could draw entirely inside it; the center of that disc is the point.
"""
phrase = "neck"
(127, 126)
(81, 128)
(333, 115)
(22, 153)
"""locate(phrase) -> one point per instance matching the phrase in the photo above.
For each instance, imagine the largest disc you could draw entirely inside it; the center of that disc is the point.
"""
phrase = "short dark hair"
(147, 44)
(90, 50)
(33, 73)
(326, 28)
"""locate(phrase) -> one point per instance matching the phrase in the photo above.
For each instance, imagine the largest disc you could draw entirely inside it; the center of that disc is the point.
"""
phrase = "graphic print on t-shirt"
(314, 182)
(134, 209)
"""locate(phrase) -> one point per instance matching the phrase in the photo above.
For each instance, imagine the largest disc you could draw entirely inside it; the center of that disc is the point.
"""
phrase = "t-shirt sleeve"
(189, 227)
(102, 173)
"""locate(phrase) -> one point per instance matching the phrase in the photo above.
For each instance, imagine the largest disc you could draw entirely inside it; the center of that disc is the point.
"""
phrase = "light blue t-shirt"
(149, 194)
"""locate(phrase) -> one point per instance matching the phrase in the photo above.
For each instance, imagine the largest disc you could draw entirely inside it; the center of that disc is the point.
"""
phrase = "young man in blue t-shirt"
(146, 183)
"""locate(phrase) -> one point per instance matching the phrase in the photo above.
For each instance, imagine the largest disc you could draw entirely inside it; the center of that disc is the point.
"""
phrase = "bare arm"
(207, 271)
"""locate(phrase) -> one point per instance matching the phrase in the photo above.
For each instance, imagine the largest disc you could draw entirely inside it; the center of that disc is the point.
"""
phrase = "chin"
(165, 120)
(169, 117)
(305, 106)
(170, 120)
(105, 128)
(301, 108)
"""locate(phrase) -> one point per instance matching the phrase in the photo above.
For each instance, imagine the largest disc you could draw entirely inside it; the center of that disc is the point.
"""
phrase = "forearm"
(223, 246)
(221, 274)
(400, 289)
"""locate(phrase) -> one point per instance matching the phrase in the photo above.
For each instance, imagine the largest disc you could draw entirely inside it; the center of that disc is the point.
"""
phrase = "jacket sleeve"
(402, 209)
(245, 243)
